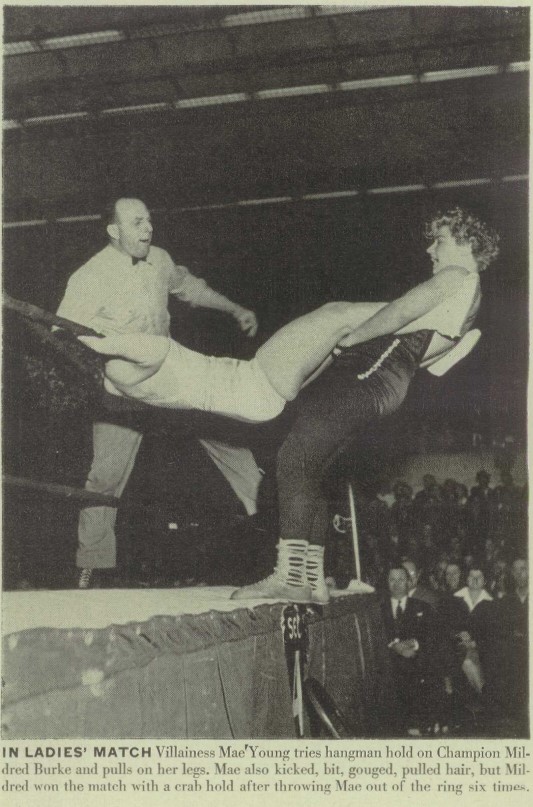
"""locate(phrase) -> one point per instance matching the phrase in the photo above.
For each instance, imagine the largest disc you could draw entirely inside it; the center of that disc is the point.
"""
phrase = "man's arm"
(195, 291)
(413, 305)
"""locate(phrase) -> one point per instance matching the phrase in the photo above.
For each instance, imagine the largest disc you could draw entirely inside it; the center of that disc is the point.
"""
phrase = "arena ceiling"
(227, 103)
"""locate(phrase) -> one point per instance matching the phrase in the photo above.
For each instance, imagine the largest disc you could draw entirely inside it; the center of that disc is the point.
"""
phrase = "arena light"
(19, 48)
(517, 67)
(11, 124)
(463, 72)
(124, 110)
(397, 189)
(214, 206)
(378, 81)
(273, 200)
(80, 40)
(30, 223)
(461, 183)
(291, 92)
(63, 116)
(330, 195)
(285, 199)
(331, 11)
(262, 17)
(72, 219)
(211, 100)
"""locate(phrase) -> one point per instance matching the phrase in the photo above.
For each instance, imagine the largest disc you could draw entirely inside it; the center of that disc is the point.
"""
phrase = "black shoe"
(85, 578)
(97, 578)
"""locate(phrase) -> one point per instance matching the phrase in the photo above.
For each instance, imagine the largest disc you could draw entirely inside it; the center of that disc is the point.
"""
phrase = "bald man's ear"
(112, 231)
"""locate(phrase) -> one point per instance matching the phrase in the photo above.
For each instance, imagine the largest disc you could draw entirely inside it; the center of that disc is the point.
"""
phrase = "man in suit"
(416, 590)
(410, 632)
(483, 490)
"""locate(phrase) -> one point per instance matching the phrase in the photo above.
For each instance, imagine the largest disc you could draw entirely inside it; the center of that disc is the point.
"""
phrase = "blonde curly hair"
(467, 228)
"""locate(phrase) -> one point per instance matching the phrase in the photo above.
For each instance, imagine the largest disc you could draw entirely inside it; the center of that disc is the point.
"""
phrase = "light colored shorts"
(224, 386)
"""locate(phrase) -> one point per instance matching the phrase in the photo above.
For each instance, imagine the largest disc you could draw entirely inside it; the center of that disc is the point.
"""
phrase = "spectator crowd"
(451, 568)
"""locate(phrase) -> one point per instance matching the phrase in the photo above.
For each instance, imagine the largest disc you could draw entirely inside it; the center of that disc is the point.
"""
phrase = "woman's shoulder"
(457, 275)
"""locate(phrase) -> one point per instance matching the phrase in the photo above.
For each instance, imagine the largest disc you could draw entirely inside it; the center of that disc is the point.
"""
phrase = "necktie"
(399, 610)
(135, 261)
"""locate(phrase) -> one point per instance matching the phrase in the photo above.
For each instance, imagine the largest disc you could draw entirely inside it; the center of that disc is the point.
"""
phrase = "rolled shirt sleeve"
(187, 287)
(195, 291)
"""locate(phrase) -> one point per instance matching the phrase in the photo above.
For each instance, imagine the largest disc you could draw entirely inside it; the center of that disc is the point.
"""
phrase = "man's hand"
(247, 320)
(465, 639)
(408, 648)
(349, 340)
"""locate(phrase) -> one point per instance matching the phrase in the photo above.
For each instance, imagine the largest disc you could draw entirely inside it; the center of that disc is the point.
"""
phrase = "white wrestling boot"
(288, 581)
(314, 568)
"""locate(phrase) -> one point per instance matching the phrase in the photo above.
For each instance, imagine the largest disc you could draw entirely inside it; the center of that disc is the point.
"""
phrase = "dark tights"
(330, 414)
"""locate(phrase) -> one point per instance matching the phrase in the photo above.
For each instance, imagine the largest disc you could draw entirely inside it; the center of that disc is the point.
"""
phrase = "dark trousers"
(328, 416)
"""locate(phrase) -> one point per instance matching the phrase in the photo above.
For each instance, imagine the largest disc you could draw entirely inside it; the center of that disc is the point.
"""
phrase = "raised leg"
(288, 358)
(294, 352)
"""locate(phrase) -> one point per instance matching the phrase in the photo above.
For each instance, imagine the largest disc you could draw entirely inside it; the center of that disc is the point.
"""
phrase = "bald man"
(123, 289)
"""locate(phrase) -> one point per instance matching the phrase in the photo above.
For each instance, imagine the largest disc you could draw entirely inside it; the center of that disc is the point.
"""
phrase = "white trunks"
(224, 386)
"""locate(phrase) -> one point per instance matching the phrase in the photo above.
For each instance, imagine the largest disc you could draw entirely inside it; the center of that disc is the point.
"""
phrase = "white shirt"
(110, 294)
(464, 594)
(402, 603)
(454, 315)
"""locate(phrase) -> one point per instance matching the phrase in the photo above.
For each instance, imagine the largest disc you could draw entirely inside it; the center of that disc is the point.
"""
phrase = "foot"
(273, 588)
(96, 578)
(85, 576)
(320, 594)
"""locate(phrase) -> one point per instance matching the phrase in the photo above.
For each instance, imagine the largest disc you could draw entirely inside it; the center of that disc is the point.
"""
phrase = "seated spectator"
(429, 510)
(499, 583)
(416, 589)
(481, 511)
(393, 545)
(472, 619)
(489, 552)
(422, 497)
(453, 578)
(507, 494)
(468, 562)
(373, 514)
(402, 514)
(428, 546)
(457, 546)
(410, 635)
(483, 490)
(462, 494)
(451, 509)
(436, 573)
(449, 491)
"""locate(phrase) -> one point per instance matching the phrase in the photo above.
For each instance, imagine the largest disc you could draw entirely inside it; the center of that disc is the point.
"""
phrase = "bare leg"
(295, 351)
(143, 354)
(288, 358)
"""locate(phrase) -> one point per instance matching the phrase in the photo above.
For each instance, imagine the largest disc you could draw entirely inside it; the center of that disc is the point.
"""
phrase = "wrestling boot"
(84, 578)
(288, 581)
(96, 578)
(314, 569)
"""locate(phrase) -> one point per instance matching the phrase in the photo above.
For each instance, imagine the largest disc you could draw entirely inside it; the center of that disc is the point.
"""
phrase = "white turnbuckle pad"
(453, 356)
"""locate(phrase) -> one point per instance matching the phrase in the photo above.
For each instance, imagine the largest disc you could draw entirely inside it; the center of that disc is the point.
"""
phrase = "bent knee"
(337, 308)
